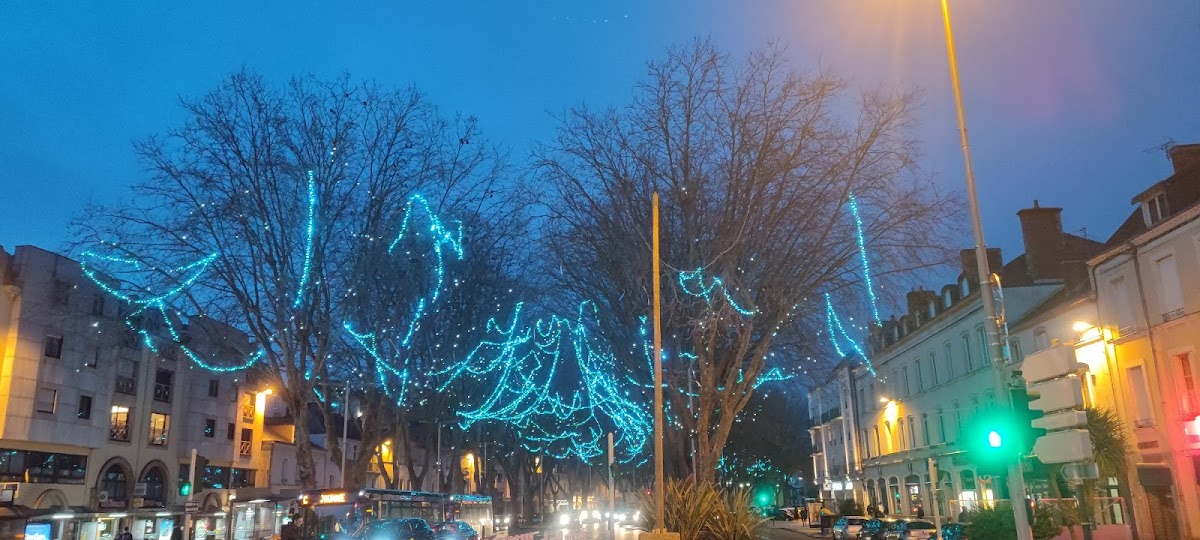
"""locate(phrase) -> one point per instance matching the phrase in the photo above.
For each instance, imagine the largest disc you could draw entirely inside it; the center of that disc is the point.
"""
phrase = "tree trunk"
(305, 467)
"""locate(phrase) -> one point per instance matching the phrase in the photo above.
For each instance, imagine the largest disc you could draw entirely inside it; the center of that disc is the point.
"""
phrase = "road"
(776, 530)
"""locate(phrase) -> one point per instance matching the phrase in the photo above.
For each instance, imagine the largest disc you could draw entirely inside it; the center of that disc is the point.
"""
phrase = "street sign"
(1064, 446)
(1081, 471)
(192, 507)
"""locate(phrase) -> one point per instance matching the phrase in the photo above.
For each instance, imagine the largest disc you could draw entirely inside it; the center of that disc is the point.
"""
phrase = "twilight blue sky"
(1065, 98)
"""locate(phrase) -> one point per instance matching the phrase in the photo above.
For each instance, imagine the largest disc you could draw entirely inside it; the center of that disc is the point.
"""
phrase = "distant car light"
(564, 519)
(507, 520)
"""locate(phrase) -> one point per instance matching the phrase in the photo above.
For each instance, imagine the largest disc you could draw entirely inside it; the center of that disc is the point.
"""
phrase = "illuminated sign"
(332, 498)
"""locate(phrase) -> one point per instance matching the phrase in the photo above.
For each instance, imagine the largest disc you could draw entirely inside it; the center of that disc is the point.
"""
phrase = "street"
(775, 530)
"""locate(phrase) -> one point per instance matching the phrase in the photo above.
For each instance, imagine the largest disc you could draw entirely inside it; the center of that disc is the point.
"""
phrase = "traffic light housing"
(1020, 398)
(185, 488)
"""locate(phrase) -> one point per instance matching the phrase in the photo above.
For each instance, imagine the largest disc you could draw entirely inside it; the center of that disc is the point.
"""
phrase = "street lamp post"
(1016, 483)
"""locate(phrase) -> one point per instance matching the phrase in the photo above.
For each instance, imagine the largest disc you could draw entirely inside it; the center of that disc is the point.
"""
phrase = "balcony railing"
(162, 392)
(1173, 314)
(126, 385)
(244, 448)
(1143, 422)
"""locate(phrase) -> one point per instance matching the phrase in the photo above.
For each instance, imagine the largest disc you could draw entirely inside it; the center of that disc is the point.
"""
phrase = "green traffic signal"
(994, 439)
(185, 489)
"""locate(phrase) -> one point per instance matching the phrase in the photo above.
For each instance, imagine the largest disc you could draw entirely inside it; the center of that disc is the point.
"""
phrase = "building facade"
(1148, 319)
(833, 432)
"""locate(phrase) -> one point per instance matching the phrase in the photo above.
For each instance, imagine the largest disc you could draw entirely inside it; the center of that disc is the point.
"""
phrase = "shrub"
(994, 523)
(700, 512)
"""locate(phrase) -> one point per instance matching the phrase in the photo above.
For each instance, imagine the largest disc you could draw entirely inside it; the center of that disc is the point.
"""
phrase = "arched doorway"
(154, 485)
(872, 499)
(912, 493)
(112, 486)
(51, 499)
(894, 495)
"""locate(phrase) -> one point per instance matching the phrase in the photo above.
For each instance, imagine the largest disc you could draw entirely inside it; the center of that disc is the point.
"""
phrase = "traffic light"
(185, 488)
(1025, 416)
(992, 441)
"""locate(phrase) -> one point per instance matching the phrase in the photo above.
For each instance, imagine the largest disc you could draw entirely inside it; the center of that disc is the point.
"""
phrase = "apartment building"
(96, 429)
(930, 371)
(835, 448)
(1147, 283)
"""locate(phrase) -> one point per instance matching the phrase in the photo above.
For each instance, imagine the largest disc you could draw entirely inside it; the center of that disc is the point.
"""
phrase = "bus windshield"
(331, 520)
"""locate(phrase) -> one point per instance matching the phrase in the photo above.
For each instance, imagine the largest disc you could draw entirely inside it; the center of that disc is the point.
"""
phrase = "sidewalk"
(793, 530)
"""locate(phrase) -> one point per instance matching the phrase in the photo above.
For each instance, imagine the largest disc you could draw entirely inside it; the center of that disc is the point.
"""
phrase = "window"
(53, 348)
(878, 448)
(284, 470)
(247, 437)
(920, 377)
(41, 467)
(933, 368)
(1122, 312)
(156, 485)
(862, 401)
(903, 439)
(1155, 209)
(907, 388)
(45, 399)
(164, 382)
(118, 429)
(941, 427)
(210, 428)
(114, 483)
(98, 305)
(912, 432)
(925, 428)
(975, 405)
(1041, 340)
(957, 420)
(966, 347)
(247, 407)
(985, 349)
(874, 398)
(214, 387)
(1190, 405)
(1170, 296)
(160, 424)
(949, 363)
(84, 410)
(126, 380)
(94, 361)
(1014, 350)
(60, 292)
(230, 431)
(991, 398)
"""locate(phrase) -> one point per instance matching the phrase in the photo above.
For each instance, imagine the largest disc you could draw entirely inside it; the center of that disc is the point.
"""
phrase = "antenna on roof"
(1165, 147)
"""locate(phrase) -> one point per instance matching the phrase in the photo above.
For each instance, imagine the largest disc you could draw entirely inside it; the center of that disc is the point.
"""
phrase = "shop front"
(257, 514)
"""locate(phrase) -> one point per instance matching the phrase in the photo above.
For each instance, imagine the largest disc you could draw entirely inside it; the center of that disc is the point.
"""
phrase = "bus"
(339, 513)
(476, 510)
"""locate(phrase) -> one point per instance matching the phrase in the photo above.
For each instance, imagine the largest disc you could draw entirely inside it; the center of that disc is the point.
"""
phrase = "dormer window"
(1154, 209)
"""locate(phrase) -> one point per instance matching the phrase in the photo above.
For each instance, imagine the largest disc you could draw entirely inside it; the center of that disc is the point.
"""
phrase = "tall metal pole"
(1015, 481)
(692, 435)
(187, 516)
(612, 494)
(659, 495)
(345, 429)
(438, 485)
(933, 499)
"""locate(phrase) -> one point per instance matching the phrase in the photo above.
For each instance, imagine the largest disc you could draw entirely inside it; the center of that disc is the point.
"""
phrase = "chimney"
(1185, 157)
(1041, 229)
(971, 270)
(918, 304)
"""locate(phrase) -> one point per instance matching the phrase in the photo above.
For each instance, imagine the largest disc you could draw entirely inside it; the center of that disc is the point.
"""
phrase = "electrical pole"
(659, 495)
(1016, 483)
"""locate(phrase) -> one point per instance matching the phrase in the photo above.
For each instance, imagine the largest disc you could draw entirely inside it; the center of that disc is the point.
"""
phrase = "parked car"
(954, 531)
(875, 528)
(847, 527)
(535, 519)
(398, 529)
(910, 529)
(456, 530)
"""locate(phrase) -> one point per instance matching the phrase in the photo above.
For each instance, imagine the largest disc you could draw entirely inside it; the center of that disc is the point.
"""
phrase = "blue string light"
(310, 232)
(692, 283)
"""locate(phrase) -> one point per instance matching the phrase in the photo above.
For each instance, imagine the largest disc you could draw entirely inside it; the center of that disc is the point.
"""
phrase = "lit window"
(160, 424)
(119, 424)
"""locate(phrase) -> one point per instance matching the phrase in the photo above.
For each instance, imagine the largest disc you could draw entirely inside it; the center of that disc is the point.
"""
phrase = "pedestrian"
(290, 531)
(125, 534)
(920, 512)
(177, 534)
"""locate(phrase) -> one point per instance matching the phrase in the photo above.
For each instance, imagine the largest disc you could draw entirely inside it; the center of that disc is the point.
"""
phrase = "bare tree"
(756, 166)
(256, 209)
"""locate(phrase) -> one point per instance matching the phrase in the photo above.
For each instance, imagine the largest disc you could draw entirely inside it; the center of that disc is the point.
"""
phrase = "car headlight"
(507, 520)
(620, 517)
(637, 515)
(564, 519)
